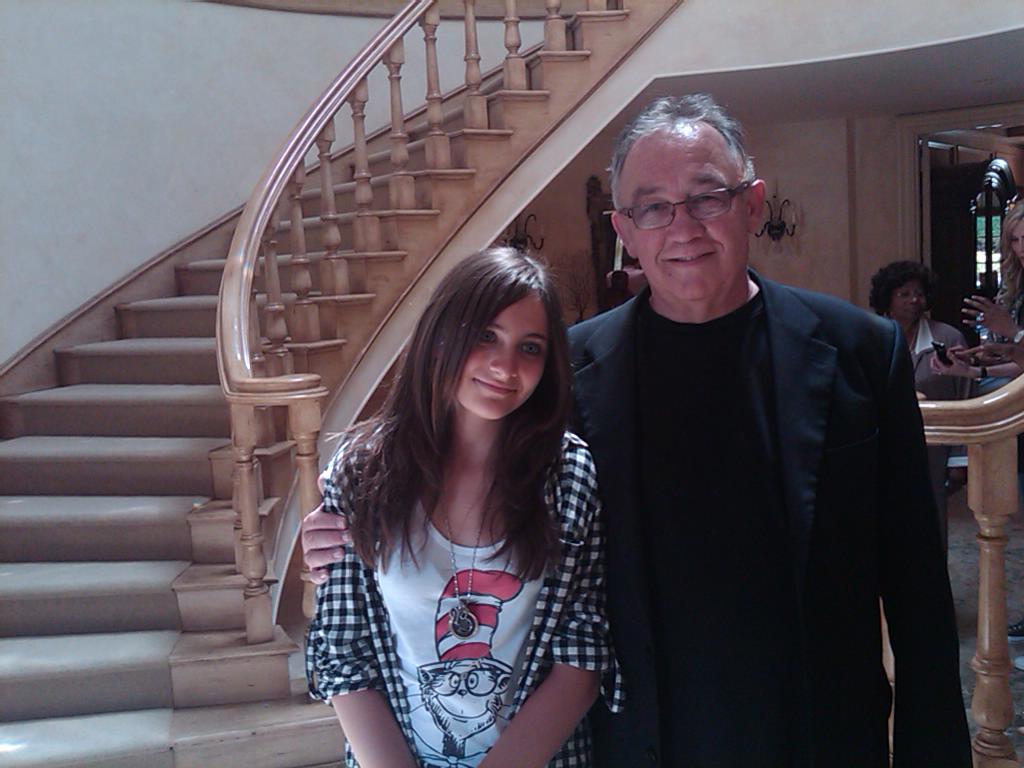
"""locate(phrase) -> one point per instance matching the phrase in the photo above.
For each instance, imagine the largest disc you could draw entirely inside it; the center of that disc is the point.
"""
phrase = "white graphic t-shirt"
(459, 688)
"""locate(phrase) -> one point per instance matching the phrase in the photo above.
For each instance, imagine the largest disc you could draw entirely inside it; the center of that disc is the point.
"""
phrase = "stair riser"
(76, 543)
(211, 610)
(508, 113)
(136, 323)
(319, 744)
(230, 681)
(314, 237)
(139, 420)
(182, 476)
(95, 691)
(343, 201)
(20, 616)
(148, 369)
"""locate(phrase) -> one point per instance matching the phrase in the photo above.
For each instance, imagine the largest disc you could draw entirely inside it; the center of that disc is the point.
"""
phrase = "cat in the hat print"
(465, 689)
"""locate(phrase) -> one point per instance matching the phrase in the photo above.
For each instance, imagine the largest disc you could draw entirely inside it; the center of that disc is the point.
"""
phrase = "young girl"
(465, 625)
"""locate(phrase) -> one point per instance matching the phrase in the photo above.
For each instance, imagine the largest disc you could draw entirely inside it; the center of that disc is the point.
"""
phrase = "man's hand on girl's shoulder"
(324, 538)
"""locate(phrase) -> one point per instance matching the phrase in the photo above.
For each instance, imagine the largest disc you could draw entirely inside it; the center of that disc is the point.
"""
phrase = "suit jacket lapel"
(607, 408)
(804, 369)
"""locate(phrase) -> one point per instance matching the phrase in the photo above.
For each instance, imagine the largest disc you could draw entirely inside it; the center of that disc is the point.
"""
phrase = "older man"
(763, 471)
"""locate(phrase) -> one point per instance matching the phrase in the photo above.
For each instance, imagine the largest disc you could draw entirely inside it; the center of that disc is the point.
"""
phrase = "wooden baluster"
(256, 340)
(514, 69)
(333, 269)
(476, 103)
(437, 146)
(554, 27)
(252, 564)
(279, 359)
(992, 497)
(366, 229)
(401, 187)
(305, 321)
(304, 423)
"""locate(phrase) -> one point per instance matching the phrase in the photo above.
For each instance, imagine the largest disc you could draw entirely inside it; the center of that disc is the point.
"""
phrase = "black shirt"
(722, 591)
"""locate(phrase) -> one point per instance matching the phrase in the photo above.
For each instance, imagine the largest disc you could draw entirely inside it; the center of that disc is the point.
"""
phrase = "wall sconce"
(777, 225)
(517, 234)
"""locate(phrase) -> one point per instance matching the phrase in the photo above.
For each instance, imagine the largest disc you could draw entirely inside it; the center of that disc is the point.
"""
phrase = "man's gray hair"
(668, 114)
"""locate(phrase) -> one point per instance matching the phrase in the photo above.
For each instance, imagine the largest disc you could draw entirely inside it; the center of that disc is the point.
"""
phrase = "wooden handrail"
(979, 420)
(234, 355)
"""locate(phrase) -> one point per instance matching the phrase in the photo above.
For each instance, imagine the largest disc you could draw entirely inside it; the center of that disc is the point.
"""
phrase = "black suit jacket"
(862, 526)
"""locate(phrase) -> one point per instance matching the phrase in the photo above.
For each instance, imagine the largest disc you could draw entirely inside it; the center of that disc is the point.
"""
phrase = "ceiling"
(978, 71)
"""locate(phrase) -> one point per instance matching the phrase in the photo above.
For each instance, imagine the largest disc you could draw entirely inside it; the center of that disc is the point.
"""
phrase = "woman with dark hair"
(902, 291)
(473, 591)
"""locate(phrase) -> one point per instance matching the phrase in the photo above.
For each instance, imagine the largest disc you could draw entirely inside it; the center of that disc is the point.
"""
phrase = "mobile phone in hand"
(940, 351)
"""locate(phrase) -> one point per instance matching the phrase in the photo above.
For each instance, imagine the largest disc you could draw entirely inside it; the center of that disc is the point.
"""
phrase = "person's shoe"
(1016, 631)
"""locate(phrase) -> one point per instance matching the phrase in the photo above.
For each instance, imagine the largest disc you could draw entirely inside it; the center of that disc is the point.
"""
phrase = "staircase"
(148, 502)
(122, 634)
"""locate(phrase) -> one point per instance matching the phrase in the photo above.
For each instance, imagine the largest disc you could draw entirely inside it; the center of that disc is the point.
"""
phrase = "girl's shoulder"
(573, 488)
(575, 457)
(341, 476)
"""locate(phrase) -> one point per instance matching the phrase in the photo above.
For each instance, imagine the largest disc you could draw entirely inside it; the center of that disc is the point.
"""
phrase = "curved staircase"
(150, 501)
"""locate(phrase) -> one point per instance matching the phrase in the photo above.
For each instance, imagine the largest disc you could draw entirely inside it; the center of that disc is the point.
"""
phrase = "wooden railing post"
(401, 188)
(514, 68)
(252, 564)
(437, 145)
(992, 497)
(366, 229)
(554, 27)
(333, 270)
(304, 424)
(305, 320)
(279, 359)
(475, 105)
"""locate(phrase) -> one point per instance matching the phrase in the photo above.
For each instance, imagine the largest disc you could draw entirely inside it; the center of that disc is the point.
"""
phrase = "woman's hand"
(959, 365)
(979, 310)
(995, 352)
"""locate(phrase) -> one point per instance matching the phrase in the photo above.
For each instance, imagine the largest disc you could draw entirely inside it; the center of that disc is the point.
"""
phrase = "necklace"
(461, 620)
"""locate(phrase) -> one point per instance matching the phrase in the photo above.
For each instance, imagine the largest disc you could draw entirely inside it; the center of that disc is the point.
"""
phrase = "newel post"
(992, 497)
(252, 563)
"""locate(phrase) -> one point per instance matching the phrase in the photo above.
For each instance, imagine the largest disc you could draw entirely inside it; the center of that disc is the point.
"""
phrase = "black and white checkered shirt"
(351, 648)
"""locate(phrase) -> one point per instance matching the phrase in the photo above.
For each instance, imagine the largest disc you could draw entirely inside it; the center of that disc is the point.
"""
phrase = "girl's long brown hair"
(400, 453)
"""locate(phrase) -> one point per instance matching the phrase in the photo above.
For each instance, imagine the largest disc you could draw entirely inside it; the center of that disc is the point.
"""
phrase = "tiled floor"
(963, 573)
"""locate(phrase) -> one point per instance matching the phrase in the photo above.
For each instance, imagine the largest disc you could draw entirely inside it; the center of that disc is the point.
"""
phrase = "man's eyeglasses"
(706, 205)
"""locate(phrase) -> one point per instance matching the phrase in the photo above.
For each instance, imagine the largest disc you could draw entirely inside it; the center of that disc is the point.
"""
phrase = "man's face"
(697, 269)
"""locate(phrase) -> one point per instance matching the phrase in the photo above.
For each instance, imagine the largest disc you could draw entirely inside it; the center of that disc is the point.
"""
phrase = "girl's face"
(1017, 241)
(507, 362)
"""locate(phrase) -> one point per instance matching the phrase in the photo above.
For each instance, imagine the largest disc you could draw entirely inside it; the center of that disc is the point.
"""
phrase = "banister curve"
(234, 356)
(995, 416)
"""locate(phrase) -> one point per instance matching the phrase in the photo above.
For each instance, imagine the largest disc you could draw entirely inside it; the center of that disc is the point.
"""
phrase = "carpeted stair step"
(174, 316)
(287, 733)
(72, 598)
(140, 361)
(81, 528)
(140, 410)
(140, 739)
(107, 672)
(107, 465)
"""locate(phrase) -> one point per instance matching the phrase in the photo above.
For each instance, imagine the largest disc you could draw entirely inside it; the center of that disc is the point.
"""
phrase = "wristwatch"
(1018, 336)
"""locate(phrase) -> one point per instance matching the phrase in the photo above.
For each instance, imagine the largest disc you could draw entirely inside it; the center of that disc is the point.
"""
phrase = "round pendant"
(462, 622)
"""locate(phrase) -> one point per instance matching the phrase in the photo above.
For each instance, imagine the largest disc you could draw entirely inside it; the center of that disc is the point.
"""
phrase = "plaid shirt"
(350, 645)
